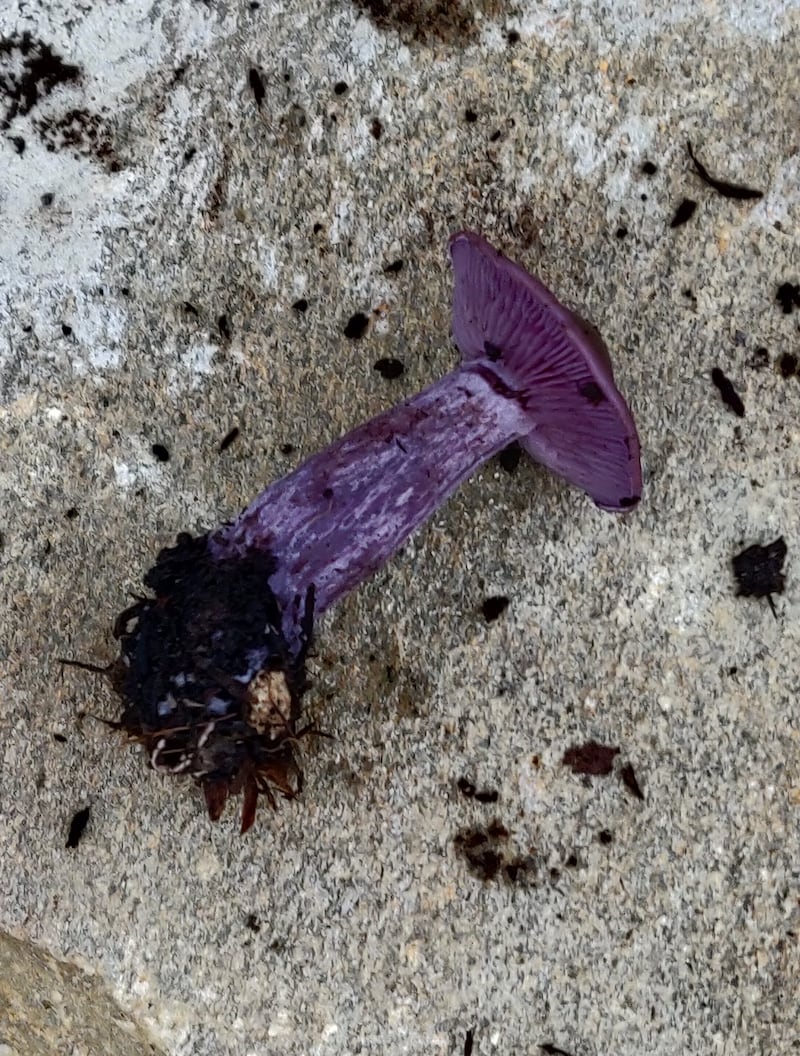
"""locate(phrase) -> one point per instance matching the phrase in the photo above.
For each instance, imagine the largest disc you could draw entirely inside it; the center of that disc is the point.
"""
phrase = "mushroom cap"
(554, 364)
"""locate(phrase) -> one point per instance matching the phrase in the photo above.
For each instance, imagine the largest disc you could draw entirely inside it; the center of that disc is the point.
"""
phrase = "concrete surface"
(350, 921)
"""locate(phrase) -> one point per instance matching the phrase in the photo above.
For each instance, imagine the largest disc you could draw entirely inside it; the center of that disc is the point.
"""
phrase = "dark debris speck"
(356, 326)
(787, 365)
(759, 569)
(228, 439)
(683, 213)
(494, 607)
(388, 368)
(77, 827)
(257, 85)
(788, 296)
(591, 758)
(628, 777)
(160, 452)
(730, 397)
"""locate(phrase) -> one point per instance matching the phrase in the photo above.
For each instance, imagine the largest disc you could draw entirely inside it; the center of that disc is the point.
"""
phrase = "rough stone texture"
(47, 1006)
(349, 921)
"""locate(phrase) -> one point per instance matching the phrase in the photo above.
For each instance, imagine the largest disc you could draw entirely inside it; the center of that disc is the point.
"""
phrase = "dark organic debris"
(468, 789)
(469, 1041)
(684, 212)
(256, 85)
(389, 368)
(228, 439)
(628, 777)
(787, 365)
(77, 826)
(300, 305)
(759, 570)
(788, 296)
(29, 71)
(224, 327)
(730, 397)
(729, 190)
(449, 20)
(485, 852)
(253, 923)
(160, 453)
(494, 607)
(356, 326)
(591, 758)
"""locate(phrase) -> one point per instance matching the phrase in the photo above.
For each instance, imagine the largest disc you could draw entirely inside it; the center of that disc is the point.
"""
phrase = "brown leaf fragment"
(591, 758)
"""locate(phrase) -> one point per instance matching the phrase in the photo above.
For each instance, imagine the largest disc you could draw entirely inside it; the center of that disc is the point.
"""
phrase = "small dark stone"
(47, 198)
(66, 330)
(224, 327)
(287, 449)
(512, 36)
(621, 232)
(72, 513)
(340, 87)
(300, 305)
(649, 168)
(376, 128)
(466, 787)
(605, 837)
(253, 923)
(470, 116)
(395, 267)
(487, 795)
(356, 326)
(160, 452)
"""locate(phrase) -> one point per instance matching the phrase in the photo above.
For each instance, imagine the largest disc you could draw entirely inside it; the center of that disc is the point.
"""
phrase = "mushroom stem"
(341, 515)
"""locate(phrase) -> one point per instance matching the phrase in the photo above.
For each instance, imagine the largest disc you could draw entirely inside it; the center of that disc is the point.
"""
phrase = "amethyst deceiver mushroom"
(212, 667)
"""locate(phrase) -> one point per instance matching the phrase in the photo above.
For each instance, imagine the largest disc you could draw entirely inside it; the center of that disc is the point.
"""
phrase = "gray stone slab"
(145, 194)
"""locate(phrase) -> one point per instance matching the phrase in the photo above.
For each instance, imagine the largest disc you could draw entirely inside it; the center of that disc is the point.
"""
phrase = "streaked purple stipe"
(531, 371)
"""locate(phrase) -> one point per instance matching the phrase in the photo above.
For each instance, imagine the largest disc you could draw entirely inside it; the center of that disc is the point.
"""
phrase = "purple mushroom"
(212, 667)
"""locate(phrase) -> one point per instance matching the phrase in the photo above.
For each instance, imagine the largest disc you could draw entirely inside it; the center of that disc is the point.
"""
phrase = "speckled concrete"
(349, 921)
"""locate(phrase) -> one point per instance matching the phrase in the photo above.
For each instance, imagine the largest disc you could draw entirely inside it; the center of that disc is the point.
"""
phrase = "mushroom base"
(209, 683)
